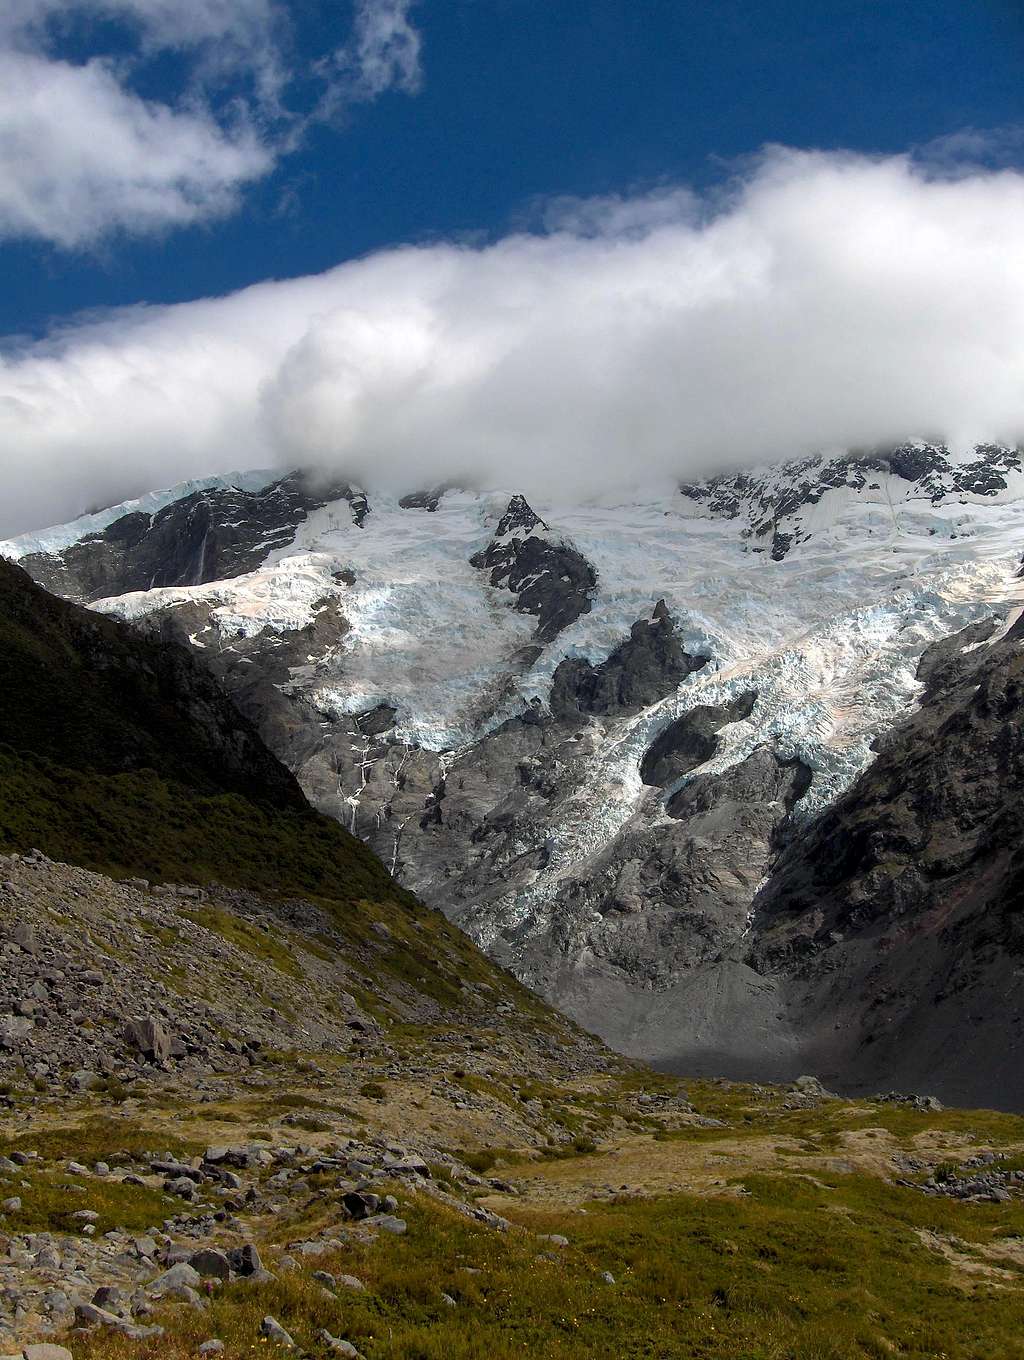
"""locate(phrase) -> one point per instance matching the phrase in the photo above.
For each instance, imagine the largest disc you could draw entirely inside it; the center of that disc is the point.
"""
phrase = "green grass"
(99, 1137)
(48, 1204)
(244, 935)
(789, 1273)
(140, 824)
(758, 1111)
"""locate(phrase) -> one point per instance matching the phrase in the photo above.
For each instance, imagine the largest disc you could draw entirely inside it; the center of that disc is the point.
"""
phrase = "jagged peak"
(519, 519)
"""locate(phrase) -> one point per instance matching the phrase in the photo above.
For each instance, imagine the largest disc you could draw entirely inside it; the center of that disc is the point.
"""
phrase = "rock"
(174, 1170)
(648, 665)
(360, 1203)
(245, 1260)
(406, 1166)
(339, 1347)
(811, 1086)
(349, 1282)
(389, 1223)
(84, 1080)
(211, 1264)
(24, 936)
(46, 1350)
(273, 1331)
(88, 1315)
(12, 1205)
(150, 1038)
(174, 1278)
(211, 1347)
(556, 1239)
(184, 1293)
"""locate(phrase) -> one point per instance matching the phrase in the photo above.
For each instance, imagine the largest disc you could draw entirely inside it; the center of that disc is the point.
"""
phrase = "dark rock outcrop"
(898, 913)
(691, 739)
(650, 664)
(207, 536)
(548, 578)
(422, 500)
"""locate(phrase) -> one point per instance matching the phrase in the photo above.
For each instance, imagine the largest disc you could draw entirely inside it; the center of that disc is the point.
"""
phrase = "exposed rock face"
(649, 665)
(548, 578)
(207, 536)
(898, 912)
(691, 739)
(422, 500)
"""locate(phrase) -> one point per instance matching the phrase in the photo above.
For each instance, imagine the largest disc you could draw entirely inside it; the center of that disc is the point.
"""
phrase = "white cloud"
(384, 53)
(827, 300)
(82, 155)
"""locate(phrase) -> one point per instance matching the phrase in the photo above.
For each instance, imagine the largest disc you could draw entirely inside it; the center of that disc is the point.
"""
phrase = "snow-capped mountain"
(584, 732)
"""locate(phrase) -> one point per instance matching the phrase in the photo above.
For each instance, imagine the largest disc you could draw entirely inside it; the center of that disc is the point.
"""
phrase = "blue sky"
(513, 102)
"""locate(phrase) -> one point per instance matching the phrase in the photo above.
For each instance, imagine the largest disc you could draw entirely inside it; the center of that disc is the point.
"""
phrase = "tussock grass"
(51, 1199)
(779, 1275)
(99, 1137)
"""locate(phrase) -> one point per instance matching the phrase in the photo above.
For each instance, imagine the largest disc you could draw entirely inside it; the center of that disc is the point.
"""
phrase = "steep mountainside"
(587, 733)
(899, 915)
(123, 754)
(87, 693)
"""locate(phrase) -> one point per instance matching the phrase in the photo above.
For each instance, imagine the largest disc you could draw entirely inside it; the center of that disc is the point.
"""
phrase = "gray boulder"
(148, 1036)
(273, 1331)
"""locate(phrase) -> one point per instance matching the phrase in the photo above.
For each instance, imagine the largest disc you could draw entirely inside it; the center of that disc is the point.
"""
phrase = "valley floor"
(744, 1221)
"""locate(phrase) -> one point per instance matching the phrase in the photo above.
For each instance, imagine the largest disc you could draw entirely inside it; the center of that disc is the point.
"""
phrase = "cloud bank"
(817, 301)
(84, 155)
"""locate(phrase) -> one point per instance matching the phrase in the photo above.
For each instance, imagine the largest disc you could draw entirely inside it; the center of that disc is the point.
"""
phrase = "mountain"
(122, 755)
(601, 737)
(899, 915)
(254, 1095)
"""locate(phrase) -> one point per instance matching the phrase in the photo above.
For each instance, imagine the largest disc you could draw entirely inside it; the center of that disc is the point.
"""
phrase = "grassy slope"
(124, 756)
